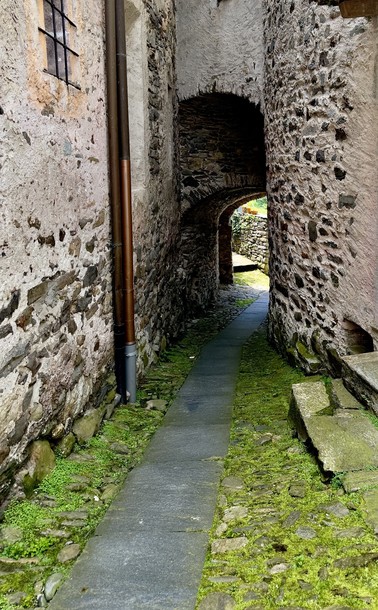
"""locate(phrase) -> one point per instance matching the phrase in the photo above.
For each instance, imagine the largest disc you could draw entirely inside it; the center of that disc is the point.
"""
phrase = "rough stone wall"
(220, 48)
(226, 275)
(321, 139)
(221, 146)
(55, 310)
(200, 244)
(56, 286)
(156, 208)
(250, 238)
(222, 162)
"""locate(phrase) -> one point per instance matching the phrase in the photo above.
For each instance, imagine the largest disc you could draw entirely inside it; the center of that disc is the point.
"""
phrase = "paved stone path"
(149, 551)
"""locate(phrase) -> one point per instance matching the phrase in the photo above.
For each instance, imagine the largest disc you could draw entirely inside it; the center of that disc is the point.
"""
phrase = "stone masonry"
(55, 240)
(228, 100)
(321, 140)
(250, 238)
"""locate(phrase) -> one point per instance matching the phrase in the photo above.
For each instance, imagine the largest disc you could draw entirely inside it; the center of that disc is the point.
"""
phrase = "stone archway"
(222, 162)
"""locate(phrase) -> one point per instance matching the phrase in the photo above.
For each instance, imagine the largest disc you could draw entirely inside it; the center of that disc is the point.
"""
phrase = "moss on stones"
(279, 567)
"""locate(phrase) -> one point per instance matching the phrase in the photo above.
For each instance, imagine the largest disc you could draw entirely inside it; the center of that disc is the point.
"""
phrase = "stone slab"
(189, 411)
(360, 481)
(360, 374)
(181, 497)
(116, 573)
(371, 508)
(217, 367)
(339, 445)
(209, 385)
(242, 263)
(311, 399)
(307, 400)
(180, 444)
(341, 397)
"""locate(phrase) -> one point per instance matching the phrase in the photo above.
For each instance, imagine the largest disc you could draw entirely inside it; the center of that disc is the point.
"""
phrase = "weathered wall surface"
(250, 238)
(55, 311)
(154, 175)
(321, 138)
(221, 146)
(55, 302)
(220, 48)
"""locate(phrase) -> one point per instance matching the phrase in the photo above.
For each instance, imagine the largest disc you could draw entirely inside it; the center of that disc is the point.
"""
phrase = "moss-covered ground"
(292, 542)
(73, 498)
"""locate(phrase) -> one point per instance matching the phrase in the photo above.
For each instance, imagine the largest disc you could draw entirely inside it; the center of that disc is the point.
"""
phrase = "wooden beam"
(359, 8)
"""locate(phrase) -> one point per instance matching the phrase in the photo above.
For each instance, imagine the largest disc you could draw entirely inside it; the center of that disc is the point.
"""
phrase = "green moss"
(244, 302)
(255, 279)
(100, 466)
(268, 471)
(303, 351)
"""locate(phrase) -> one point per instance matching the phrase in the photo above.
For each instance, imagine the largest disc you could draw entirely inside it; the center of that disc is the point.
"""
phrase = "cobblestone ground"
(282, 538)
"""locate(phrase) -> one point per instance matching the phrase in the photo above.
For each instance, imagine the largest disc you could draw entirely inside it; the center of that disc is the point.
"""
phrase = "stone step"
(344, 438)
(360, 375)
(341, 398)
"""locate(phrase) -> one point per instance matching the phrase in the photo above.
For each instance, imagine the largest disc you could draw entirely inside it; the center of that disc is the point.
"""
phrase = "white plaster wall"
(220, 48)
(54, 227)
(137, 74)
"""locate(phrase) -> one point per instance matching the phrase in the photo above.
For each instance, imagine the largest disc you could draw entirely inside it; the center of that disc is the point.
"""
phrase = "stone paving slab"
(371, 508)
(181, 497)
(197, 411)
(366, 365)
(339, 448)
(137, 571)
(149, 551)
(360, 481)
(341, 397)
(346, 441)
(218, 367)
(205, 384)
(242, 263)
(360, 373)
(182, 444)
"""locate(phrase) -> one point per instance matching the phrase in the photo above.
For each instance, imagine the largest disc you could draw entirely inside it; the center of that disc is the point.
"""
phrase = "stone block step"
(360, 481)
(360, 375)
(341, 398)
(345, 439)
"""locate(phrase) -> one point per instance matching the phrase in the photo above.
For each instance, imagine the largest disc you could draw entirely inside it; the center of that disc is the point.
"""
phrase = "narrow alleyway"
(226, 510)
(150, 549)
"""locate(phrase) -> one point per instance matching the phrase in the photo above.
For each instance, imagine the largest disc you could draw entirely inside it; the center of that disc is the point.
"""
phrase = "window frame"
(57, 8)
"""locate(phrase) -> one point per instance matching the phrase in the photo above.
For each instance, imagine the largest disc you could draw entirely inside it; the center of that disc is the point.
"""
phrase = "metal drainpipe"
(124, 334)
(126, 203)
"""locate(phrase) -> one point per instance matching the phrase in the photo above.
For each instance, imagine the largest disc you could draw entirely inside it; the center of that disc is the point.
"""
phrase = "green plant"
(29, 548)
(244, 302)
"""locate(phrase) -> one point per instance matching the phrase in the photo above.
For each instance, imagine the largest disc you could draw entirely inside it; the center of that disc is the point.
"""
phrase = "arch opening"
(222, 162)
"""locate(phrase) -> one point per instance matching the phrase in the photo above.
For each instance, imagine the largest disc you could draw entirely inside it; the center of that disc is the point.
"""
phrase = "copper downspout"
(120, 181)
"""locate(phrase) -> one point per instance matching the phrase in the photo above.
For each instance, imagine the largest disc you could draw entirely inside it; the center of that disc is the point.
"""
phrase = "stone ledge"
(345, 439)
(360, 373)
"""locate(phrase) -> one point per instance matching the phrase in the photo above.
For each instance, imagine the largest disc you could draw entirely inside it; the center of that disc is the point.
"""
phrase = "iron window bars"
(57, 32)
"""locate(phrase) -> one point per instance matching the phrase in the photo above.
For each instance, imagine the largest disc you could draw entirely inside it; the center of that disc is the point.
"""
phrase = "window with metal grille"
(59, 31)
